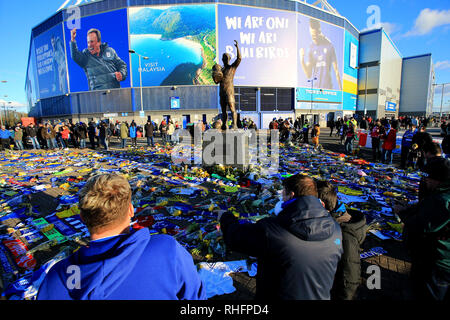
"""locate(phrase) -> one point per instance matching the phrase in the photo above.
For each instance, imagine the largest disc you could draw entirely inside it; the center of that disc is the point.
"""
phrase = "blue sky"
(416, 27)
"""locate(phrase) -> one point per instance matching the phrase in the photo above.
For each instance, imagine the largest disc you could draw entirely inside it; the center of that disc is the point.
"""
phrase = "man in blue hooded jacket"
(120, 263)
(298, 251)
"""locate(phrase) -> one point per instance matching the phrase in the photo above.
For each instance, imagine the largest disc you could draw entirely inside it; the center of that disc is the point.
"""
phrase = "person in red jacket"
(65, 133)
(389, 144)
(375, 134)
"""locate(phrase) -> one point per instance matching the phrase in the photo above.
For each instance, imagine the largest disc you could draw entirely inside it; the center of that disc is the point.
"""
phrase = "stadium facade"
(298, 60)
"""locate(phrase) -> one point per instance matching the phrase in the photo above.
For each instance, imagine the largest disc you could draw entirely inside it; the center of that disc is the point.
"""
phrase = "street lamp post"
(140, 75)
(365, 94)
(1, 118)
(442, 98)
(312, 86)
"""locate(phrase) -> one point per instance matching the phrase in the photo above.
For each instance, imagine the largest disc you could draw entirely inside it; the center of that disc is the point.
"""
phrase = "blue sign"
(390, 106)
(174, 103)
(349, 101)
(319, 95)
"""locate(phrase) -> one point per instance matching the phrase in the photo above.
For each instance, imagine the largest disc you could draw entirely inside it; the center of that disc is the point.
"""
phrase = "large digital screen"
(98, 58)
(176, 45)
(267, 41)
(51, 69)
(350, 93)
(320, 54)
(31, 85)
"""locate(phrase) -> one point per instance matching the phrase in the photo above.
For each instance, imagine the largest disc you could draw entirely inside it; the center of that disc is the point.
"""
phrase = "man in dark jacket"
(421, 138)
(121, 263)
(91, 133)
(354, 227)
(103, 134)
(82, 130)
(103, 67)
(406, 145)
(32, 135)
(298, 250)
(426, 232)
(149, 133)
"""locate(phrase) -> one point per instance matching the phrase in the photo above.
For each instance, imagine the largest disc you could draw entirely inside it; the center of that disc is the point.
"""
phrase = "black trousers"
(404, 157)
(376, 149)
(5, 144)
(92, 141)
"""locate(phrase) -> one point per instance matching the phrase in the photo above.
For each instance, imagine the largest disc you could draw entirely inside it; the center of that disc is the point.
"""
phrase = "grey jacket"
(100, 71)
(298, 251)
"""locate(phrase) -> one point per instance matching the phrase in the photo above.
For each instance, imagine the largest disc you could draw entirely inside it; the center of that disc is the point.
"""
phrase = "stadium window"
(285, 99)
(268, 99)
(246, 99)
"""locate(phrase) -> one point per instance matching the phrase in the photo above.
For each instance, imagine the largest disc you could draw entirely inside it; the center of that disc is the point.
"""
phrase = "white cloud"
(442, 64)
(18, 106)
(428, 20)
(388, 27)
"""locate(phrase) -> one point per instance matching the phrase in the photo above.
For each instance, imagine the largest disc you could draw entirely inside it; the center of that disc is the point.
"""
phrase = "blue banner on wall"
(350, 101)
(51, 68)
(391, 106)
(174, 103)
(319, 95)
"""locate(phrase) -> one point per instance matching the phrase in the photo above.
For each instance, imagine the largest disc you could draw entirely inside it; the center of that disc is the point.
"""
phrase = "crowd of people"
(65, 135)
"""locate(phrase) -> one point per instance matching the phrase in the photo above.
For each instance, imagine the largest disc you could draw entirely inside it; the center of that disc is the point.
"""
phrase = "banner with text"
(50, 55)
(267, 41)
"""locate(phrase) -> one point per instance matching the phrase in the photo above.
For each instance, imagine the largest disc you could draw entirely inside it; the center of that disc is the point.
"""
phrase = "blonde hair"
(104, 201)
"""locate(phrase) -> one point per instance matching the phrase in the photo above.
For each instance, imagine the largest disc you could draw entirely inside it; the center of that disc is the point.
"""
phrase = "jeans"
(61, 142)
(438, 286)
(387, 156)
(124, 143)
(104, 142)
(19, 144)
(150, 141)
(50, 144)
(348, 145)
(134, 142)
(35, 143)
(83, 143)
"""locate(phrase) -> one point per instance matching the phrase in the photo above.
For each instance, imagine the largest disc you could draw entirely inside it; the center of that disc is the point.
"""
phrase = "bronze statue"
(225, 75)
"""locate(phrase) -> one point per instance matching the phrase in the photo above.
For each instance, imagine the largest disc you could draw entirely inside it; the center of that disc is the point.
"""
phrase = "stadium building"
(135, 59)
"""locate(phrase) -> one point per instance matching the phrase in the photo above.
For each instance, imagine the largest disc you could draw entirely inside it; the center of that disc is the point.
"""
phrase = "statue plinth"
(228, 148)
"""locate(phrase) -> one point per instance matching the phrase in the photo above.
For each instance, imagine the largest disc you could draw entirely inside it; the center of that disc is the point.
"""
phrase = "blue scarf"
(286, 203)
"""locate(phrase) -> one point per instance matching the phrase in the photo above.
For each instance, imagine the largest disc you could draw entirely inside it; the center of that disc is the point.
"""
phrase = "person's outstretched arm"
(245, 238)
(76, 55)
(239, 57)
